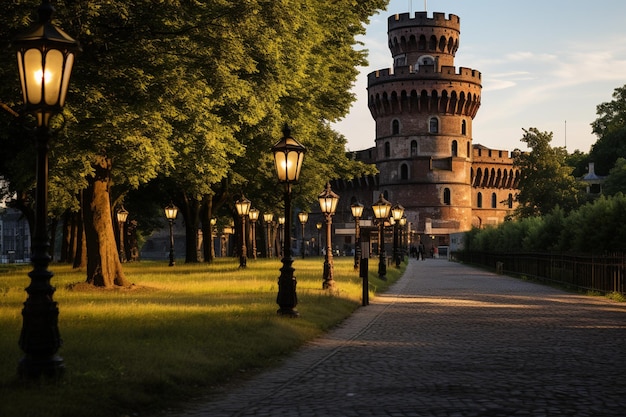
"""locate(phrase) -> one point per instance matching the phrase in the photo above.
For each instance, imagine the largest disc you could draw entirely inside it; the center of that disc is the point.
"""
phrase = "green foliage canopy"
(197, 91)
(546, 180)
(610, 127)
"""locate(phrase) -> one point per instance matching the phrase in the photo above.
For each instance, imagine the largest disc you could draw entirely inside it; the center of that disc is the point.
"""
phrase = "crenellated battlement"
(481, 154)
(401, 20)
(408, 73)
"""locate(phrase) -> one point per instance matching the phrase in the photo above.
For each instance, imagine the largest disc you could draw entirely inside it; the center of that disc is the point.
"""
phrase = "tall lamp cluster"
(45, 57)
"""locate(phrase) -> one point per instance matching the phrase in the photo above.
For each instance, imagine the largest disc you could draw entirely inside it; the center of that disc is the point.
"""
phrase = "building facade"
(15, 238)
(424, 108)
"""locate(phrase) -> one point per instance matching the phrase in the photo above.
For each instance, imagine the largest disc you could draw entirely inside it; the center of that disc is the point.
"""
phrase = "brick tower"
(423, 108)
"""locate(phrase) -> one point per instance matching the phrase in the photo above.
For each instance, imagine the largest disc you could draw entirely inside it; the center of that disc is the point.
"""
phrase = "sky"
(544, 63)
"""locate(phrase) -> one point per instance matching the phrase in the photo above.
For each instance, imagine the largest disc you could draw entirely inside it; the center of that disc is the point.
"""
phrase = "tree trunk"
(79, 246)
(52, 231)
(132, 244)
(67, 254)
(104, 268)
(206, 213)
(191, 216)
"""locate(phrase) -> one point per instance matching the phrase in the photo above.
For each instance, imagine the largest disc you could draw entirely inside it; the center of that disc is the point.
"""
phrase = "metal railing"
(602, 273)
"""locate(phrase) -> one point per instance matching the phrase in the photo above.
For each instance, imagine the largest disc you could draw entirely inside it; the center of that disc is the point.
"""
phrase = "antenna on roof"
(566, 134)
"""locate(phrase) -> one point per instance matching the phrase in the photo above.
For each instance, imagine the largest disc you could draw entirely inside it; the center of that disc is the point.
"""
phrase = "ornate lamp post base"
(287, 298)
(33, 368)
(382, 267)
(40, 338)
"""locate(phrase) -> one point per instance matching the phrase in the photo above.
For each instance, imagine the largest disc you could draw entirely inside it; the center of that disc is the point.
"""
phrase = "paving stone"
(451, 340)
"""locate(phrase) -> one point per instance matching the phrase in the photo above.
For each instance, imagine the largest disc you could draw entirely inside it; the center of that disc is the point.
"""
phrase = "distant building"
(15, 238)
(592, 181)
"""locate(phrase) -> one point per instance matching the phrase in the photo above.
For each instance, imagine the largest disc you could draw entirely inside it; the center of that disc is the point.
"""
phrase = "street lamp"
(281, 235)
(171, 211)
(381, 213)
(268, 218)
(243, 208)
(122, 215)
(213, 234)
(288, 156)
(328, 204)
(253, 215)
(403, 235)
(45, 56)
(397, 212)
(357, 212)
(318, 226)
(303, 217)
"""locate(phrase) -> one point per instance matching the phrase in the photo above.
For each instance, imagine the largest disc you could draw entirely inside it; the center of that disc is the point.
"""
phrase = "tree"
(616, 180)
(610, 127)
(290, 83)
(546, 181)
(214, 83)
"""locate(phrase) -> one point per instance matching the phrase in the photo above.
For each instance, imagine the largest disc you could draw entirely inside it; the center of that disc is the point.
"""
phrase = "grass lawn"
(179, 332)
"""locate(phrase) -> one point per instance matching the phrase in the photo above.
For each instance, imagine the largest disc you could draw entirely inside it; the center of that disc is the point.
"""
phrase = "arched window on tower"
(432, 44)
(446, 196)
(421, 45)
(479, 200)
(413, 148)
(433, 125)
(455, 148)
(404, 172)
(387, 150)
(464, 127)
(395, 127)
(468, 150)
(510, 201)
(494, 200)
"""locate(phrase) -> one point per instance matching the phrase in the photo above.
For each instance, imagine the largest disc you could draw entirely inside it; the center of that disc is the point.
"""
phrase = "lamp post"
(212, 222)
(303, 217)
(381, 213)
(397, 212)
(122, 215)
(357, 212)
(281, 235)
(243, 208)
(45, 56)
(403, 236)
(318, 226)
(253, 215)
(268, 218)
(288, 156)
(171, 211)
(328, 204)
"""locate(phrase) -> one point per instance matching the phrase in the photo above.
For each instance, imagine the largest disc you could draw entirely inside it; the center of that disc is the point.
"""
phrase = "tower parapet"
(404, 20)
(446, 73)
(424, 91)
(423, 40)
